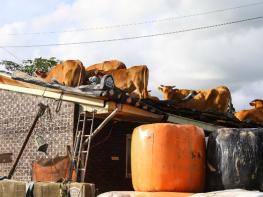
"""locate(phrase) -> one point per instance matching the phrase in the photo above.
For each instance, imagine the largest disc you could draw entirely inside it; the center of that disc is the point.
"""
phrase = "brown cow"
(257, 103)
(254, 115)
(69, 73)
(9, 81)
(107, 65)
(133, 79)
(153, 98)
(217, 99)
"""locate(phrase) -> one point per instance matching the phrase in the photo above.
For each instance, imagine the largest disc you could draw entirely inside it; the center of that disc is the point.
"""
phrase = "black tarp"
(235, 159)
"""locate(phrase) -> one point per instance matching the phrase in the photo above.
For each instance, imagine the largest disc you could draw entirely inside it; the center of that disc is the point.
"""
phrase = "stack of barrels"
(173, 160)
(168, 160)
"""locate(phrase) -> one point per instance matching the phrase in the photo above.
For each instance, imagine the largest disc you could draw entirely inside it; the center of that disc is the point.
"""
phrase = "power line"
(139, 23)
(12, 54)
(134, 37)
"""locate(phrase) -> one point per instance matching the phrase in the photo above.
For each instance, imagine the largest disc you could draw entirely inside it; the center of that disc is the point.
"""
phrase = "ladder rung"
(78, 136)
(84, 151)
(82, 169)
(86, 120)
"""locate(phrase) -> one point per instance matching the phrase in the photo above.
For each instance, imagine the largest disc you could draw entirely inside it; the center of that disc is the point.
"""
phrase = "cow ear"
(160, 88)
(41, 74)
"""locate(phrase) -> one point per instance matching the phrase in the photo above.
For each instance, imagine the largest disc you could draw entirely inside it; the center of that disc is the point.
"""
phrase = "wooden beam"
(134, 114)
(86, 100)
(99, 110)
(182, 120)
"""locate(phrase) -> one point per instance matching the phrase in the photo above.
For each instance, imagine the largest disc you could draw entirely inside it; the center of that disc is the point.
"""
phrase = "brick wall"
(17, 113)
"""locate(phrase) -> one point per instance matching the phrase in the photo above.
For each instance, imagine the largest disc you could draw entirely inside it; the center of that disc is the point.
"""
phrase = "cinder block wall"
(17, 113)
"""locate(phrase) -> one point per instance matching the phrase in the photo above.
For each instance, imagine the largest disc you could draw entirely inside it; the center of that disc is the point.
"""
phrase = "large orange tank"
(168, 157)
(144, 194)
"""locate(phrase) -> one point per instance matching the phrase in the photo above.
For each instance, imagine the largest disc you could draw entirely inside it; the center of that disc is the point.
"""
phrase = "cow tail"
(145, 81)
(80, 75)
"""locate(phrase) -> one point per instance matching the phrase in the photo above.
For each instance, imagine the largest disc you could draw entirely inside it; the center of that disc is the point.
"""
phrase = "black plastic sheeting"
(95, 89)
(235, 159)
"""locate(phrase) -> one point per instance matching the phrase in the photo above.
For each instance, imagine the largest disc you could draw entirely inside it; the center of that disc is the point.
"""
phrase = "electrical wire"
(168, 19)
(13, 55)
(134, 37)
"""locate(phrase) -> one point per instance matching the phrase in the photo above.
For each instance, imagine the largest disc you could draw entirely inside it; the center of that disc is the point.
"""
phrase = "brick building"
(109, 160)
(17, 113)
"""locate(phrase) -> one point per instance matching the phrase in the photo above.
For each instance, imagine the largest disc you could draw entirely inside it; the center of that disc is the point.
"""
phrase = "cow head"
(257, 103)
(40, 74)
(168, 91)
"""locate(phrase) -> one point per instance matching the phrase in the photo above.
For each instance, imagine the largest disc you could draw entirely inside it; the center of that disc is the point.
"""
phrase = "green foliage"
(31, 66)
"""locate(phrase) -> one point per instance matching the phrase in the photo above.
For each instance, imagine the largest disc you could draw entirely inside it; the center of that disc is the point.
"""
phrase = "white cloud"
(247, 93)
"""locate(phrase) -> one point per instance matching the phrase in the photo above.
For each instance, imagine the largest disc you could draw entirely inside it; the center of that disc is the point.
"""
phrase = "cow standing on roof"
(217, 99)
(257, 103)
(10, 81)
(69, 73)
(252, 115)
(133, 79)
(106, 66)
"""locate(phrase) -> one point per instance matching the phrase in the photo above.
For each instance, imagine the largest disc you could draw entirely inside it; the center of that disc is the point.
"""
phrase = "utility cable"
(134, 37)
(168, 19)
(12, 54)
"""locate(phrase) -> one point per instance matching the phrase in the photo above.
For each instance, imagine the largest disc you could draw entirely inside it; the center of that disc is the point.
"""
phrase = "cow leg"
(139, 91)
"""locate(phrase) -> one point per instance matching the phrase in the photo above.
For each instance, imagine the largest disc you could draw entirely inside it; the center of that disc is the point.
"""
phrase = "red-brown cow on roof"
(153, 98)
(69, 73)
(107, 65)
(254, 115)
(257, 103)
(217, 99)
(133, 79)
(9, 81)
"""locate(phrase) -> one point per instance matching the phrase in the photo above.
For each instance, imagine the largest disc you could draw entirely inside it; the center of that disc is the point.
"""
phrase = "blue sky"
(229, 55)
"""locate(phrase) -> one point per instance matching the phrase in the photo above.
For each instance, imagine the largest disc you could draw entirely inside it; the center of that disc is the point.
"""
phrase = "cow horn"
(173, 87)
(162, 86)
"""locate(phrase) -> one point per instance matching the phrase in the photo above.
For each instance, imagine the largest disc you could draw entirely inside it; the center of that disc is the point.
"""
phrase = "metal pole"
(105, 121)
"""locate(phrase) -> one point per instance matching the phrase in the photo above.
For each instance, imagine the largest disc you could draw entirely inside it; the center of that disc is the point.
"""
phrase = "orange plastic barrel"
(162, 194)
(168, 157)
